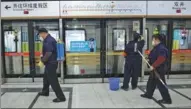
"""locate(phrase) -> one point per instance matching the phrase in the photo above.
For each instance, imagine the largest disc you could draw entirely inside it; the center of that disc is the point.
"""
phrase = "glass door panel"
(53, 30)
(154, 27)
(118, 34)
(181, 49)
(82, 40)
(16, 48)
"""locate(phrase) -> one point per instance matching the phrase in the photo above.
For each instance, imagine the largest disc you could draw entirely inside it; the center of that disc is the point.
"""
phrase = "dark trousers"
(132, 69)
(153, 82)
(50, 78)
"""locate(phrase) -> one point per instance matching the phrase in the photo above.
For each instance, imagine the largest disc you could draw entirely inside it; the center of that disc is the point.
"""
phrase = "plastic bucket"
(114, 84)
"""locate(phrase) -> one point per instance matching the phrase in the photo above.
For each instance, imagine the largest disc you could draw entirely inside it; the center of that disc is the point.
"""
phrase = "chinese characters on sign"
(29, 6)
(79, 44)
(30, 9)
(178, 6)
(168, 8)
(93, 8)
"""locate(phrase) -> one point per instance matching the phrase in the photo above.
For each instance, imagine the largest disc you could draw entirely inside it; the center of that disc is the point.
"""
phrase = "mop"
(40, 64)
(157, 75)
(26, 89)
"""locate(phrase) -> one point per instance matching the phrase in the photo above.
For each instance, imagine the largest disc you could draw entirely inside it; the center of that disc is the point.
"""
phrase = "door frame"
(31, 43)
(170, 42)
(101, 50)
(169, 38)
(32, 30)
(3, 51)
(103, 43)
(172, 28)
(115, 19)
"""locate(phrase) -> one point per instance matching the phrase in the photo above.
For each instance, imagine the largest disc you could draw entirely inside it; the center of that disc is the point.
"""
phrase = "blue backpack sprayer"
(60, 51)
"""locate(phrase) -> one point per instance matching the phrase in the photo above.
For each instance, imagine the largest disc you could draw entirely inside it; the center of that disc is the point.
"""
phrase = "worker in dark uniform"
(158, 59)
(49, 59)
(133, 62)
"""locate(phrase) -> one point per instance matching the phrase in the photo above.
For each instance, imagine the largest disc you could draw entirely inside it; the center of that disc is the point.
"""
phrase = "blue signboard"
(82, 46)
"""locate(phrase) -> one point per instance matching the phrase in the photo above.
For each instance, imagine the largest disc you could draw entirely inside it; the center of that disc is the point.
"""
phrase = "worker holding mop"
(133, 62)
(158, 59)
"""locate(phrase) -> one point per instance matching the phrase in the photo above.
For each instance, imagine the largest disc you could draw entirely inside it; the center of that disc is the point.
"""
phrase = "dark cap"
(41, 30)
(136, 36)
(160, 37)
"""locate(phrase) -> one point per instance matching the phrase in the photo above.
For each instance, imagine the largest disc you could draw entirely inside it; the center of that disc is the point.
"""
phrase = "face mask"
(41, 39)
(153, 43)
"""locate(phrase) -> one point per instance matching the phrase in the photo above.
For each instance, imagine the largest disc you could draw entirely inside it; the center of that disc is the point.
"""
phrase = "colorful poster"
(176, 35)
(25, 47)
(181, 38)
(38, 46)
(83, 46)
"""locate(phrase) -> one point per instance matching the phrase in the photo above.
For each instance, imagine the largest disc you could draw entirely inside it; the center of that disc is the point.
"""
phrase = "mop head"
(24, 90)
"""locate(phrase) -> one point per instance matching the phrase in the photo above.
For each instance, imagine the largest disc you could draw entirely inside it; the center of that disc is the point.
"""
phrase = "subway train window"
(83, 47)
(118, 33)
(181, 49)
(15, 35)
(53, 30)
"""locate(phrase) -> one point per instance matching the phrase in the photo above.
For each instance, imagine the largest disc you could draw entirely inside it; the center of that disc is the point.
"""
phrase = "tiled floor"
(46, 102)
(17, 100)
(93, 96)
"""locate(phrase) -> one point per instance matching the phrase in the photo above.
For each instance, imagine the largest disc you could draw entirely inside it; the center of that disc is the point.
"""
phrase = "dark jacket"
(49, 45)
(130, 49)
(159, 50)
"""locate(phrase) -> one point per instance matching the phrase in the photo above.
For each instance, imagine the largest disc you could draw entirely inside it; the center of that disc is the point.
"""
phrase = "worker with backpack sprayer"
(49, 59)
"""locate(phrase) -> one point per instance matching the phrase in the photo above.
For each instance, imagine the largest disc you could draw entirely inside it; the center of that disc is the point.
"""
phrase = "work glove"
(151, 68)
(124, 54)
(40, 64)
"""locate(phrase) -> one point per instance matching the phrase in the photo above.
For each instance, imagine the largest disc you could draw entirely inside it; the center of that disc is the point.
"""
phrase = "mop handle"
(154, 70)
(144, 58)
